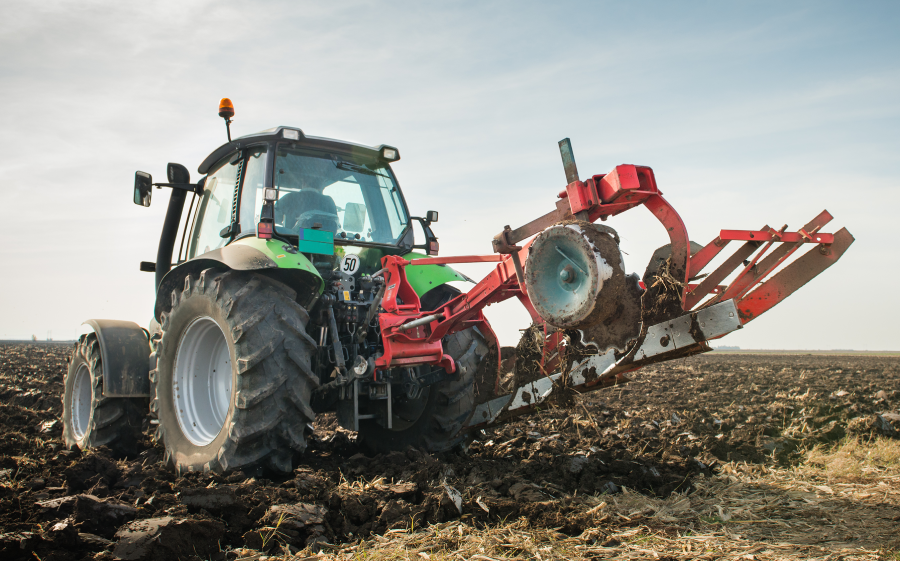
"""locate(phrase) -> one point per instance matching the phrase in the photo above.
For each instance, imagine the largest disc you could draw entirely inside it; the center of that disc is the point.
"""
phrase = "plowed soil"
(650, 435)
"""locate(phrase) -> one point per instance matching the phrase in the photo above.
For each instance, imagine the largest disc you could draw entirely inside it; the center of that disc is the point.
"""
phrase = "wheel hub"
(202, 381)
(82, 399)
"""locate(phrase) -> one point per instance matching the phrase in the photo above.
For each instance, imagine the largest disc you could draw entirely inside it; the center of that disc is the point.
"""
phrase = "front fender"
(125, 352)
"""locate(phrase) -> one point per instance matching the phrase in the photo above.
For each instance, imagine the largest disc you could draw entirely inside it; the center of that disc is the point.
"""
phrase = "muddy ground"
(651, 435)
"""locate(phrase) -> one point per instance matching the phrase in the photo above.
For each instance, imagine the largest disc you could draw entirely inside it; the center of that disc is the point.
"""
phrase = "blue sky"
(749, 113)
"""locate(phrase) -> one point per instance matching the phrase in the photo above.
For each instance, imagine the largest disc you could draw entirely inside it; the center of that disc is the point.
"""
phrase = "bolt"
(567, 274)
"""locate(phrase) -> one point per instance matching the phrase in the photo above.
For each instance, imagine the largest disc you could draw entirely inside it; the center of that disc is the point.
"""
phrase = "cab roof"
(297, 137)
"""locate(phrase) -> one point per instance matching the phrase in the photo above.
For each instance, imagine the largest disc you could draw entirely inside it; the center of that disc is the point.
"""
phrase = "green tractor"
(269, 303)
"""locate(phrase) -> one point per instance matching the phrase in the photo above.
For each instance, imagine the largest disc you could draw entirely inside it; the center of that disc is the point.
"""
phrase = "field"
(727, 455)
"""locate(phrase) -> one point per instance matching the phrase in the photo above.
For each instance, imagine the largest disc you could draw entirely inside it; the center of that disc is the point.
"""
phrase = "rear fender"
(125, 352)
(271, 258)
(423, 278)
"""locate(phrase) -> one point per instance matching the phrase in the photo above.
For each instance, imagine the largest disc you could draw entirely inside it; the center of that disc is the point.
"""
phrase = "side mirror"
(431, 245)
(177, 173)
(143, 188)
(431, 216)
(354, 217)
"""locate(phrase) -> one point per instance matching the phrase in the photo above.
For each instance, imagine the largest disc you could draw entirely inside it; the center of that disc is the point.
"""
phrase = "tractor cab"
(319, 184)
(319, 197)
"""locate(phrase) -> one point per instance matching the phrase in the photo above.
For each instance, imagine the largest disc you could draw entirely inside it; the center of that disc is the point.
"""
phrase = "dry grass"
(843, 503)
(854, 460)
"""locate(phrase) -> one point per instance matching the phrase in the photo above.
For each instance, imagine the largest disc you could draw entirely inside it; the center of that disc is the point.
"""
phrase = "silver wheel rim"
(82, 399)
(202, 382)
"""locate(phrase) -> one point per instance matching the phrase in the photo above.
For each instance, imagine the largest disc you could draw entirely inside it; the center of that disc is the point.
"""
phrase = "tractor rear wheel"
(434, 420)
(89, 418)
(233, 380)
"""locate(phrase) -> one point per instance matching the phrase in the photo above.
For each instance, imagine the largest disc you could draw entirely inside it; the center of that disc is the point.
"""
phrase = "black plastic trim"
(277, 136)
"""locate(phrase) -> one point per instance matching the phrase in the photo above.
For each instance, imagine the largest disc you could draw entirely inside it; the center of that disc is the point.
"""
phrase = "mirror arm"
(190, 187)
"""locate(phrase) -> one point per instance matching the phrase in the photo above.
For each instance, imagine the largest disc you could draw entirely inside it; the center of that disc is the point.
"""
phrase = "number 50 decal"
(350, 263)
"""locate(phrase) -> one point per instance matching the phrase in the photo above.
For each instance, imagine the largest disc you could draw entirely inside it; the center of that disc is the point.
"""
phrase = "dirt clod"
(159, 539)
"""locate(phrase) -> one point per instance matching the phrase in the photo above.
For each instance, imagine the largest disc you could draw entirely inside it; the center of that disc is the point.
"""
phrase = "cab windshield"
(355, 199)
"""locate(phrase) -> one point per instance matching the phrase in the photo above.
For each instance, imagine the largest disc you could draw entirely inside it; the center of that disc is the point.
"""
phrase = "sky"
(750, 113)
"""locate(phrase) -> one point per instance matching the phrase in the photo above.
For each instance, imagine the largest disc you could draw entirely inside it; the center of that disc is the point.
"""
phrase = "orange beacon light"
(226, 111)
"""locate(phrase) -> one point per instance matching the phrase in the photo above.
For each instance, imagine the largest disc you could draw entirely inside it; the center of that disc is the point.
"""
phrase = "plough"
(595, 323)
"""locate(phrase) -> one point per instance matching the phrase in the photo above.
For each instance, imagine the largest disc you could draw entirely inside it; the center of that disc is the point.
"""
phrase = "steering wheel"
(310, 217)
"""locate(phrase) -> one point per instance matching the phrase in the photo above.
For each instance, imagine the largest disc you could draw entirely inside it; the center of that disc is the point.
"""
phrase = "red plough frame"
(412, 336)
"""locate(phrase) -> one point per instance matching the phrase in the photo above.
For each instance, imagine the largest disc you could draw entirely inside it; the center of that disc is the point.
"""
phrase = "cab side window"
(214, 210)
(252, 192)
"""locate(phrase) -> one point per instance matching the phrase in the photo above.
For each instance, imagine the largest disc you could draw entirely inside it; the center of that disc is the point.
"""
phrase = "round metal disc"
(202, 381)
(574, 274)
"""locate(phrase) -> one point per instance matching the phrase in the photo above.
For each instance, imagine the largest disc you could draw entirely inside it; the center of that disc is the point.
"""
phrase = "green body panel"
(274, 250)
(423, 278)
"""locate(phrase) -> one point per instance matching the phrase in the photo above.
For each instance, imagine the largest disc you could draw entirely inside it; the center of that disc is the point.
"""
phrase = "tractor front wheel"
(233, 380)
(89, 418)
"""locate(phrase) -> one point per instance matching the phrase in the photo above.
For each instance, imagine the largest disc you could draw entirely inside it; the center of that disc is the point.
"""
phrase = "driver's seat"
(311, 203)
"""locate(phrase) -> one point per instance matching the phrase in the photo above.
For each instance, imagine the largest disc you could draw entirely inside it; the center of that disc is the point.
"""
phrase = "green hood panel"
(423, 278)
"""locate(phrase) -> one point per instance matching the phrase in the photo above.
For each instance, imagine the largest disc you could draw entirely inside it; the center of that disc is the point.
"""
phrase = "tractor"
(298, 289)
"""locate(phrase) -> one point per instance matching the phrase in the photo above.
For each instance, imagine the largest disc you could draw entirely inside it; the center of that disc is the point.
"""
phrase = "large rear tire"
(442, 411)
(233, 380)
(90, 419)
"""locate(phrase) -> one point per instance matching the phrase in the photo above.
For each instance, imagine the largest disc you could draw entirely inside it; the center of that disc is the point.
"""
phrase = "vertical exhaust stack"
(176, 174)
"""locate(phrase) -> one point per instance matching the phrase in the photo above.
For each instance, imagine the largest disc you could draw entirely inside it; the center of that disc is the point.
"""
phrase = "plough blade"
(680, 337)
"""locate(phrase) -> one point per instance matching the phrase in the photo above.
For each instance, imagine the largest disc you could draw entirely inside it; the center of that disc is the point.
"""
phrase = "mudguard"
(423, 278)
(269, 257)
(125, 352)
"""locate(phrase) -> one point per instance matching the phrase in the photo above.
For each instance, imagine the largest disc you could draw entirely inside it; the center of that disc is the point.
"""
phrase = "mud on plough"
(593, 324)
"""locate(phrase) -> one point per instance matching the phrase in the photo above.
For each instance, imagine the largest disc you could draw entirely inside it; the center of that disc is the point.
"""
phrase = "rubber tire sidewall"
(78, 359)
(378, 438)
